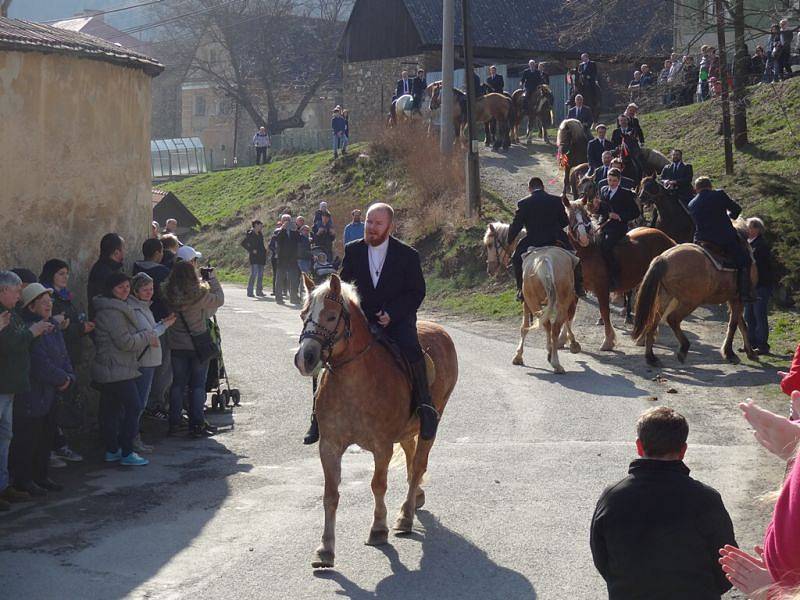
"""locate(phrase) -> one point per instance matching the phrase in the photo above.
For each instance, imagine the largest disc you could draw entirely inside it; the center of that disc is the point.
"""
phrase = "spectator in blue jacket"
(355, 229)
(339, 126)
(51, 374)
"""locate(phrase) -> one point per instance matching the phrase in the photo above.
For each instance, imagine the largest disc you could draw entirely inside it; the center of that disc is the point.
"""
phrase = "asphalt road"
(520, 460)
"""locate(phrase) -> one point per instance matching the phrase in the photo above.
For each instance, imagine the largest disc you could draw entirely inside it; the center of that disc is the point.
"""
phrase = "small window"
(200, 106)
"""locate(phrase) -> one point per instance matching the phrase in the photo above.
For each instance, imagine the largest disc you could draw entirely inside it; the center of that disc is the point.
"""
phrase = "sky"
(52, 10)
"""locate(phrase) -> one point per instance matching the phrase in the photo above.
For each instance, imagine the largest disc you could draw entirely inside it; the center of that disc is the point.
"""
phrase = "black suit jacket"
(401, 288)
(496, 84)
(400, 88)
(287, 244)
(544, 217)
(712, 211)
(594, 151)
(624, 182)
(681, 173)
(623, 203)
(531, 80)
(418, 86)
(584, 117)
(588, 70)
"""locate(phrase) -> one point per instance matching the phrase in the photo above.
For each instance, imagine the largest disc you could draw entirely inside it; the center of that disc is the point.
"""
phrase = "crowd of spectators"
(686, 79)
(295, 248)
(143, 331)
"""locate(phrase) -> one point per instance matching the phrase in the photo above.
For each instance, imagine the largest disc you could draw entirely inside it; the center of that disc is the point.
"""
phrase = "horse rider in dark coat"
(582, 113)
(404, 86)
(678, 176)
(479, 91)
(626, 144)
(600, 174)
(617, 207)
(596, 147)
(531, 79)
(418, 87)
(624, 182)
(712, 211)
(588, 69)
(544, 218)
(388, 276)
(495, 83)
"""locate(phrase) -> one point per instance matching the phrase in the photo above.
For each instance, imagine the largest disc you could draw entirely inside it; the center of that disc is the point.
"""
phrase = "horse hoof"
(518, 361)
(378, 537)
(607, 347)
(403, 525)
(559, 370)
(420, 499)
(323, 559)
(733, 358)
(574, 347)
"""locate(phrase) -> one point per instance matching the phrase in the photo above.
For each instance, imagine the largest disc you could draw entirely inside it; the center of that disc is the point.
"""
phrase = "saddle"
(721, 260)
(399, 358)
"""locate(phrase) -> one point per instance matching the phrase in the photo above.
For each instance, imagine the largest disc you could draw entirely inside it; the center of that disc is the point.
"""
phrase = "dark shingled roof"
(640, 27)
(28, 36)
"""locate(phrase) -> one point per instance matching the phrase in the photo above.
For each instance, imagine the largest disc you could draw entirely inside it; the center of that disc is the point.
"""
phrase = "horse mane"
(349, 294)
(500, 229)
(569, 125)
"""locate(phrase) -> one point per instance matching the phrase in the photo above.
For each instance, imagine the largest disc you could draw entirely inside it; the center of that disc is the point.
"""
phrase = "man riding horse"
(418, 87)
(617, 206)
(712, 211)
(596, 148)
(388, 276)
(582, 113)
(677, 177)
(531, 79)
(544, 218)
(627, 147)
(495, 83)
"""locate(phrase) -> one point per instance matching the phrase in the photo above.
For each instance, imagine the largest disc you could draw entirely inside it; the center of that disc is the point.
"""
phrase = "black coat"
(418, 86)
(531, 80)
(624, 182)
(496, 84)
(623, 203)
(588, 70)
(763, 257)
(400, 88)
(683, 174)
(585, 115)
(712, 211)
(631, 141)
(594, 151)
(287, 244)
(544, 217)
(97, 277)
(656, 535)
(401, 287)
(256, 250)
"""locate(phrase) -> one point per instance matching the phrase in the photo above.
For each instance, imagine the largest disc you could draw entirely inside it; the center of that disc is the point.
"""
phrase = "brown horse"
(571, 143)
(548, 290)
(634, 254)
(673, 217)
(489, 108)
(679, 281)
(539, 112)
(434, 91)
(653, 161)
(364, 398)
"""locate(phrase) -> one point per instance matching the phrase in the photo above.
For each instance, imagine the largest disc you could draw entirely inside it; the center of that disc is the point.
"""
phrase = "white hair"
(9, 279)
(756, 223)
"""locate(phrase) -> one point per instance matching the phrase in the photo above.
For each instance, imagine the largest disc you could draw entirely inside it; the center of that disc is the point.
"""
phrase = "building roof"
(96, 25)
(27, 36)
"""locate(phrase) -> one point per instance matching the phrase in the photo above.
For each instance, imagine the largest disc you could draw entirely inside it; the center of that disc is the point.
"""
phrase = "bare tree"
(254, 51)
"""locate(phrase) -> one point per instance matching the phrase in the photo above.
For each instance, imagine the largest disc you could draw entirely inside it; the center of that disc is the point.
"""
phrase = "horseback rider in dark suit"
(479, 91)
(544, 218)
(531, 79)
(712, 211)
(624, 182)
(617, 207)
(388, 276)
(495, 83)
(404, 86)
(418, 87)
(677, 177)
(596, 147)
(582, 113)
(588, 69)
(626, 145)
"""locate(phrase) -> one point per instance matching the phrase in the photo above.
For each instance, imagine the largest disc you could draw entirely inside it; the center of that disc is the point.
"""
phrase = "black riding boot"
(580, 291)
(312, 435)
(517, 264)
(428, 415)
(744, 284)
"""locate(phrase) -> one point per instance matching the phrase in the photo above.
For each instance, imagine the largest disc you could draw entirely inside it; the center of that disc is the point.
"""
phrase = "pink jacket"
(782, 540)
(791, 381)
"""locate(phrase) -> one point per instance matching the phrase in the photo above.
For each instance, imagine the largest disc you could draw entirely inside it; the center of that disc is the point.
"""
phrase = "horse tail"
(647, 297)
(545, 273)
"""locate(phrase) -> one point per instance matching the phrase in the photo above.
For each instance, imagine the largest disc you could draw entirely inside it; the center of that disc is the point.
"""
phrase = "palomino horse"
(634, 254)
(434, 91)
(653, 162)
(539, 112)
(679, 281)
(571, 143)
(548, 290)
(673, 217)
(364, 398)
(488, 108)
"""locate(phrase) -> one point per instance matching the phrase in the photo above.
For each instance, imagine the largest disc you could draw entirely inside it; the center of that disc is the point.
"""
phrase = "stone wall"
(75, 160)
(369, 87)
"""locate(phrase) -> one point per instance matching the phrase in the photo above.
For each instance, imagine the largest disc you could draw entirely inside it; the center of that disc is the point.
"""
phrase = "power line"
(107, 12)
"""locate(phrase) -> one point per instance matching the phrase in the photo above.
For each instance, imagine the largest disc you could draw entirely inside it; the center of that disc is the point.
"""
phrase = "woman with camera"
(150, 358)
(115, 370)
(194, 300)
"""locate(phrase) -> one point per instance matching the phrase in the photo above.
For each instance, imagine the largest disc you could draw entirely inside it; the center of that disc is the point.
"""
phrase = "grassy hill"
(767, 170)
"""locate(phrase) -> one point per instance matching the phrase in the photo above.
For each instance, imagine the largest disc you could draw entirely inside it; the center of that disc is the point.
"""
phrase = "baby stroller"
(221, 399)
(322, 267)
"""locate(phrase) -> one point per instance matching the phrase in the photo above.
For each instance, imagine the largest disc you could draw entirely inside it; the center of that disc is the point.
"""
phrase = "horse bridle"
(505, 261)
(327, 338)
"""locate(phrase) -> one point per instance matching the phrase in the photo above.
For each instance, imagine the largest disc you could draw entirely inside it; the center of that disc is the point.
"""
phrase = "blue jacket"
(338, 124)
(712, 211)
(594, 151)
(50, 368)
(353, 231)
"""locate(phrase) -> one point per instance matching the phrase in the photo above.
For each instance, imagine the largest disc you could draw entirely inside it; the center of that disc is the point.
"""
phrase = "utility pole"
(446, 133)
(723, 73)
(472, 164)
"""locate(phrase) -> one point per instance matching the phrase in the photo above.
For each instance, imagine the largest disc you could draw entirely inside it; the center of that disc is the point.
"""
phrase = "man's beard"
(377, 241)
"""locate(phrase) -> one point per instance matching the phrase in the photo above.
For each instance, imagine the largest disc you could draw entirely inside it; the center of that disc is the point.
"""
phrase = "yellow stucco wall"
(74, 159)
